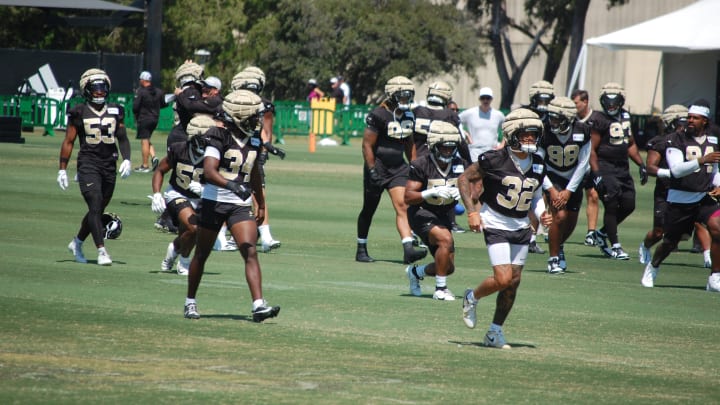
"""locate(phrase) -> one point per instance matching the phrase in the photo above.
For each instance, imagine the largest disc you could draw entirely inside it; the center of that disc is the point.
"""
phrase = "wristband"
(472, 214)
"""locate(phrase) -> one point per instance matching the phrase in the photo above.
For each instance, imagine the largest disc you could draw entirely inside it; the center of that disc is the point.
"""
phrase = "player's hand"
(158, 203)
(475, 222)
(195, 187)
(275, 151)
(599, 185)
(375, 178)
(125, 169)
(546, 218)
(454, 193)
(643, 175)
(240, 190)
(62, 179)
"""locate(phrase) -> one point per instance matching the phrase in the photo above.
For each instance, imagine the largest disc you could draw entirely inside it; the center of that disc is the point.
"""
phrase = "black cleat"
(534, 248)
(411, 256)
(264, 312)
(362, 255)
(457, 228)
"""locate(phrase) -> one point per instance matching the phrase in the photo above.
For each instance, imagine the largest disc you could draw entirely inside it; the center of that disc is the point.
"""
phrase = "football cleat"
(534, 248)
(169, 260)
(469, 307)
(649, 275)
(264, 312)
(495, 339)
(76, 250)
(713, 283)
(415, 288)
(191, 311)
(103, 258)
(590, 239)
(561, 258)
(443, 294)
(644, 255)
(361, 255)
(154, 161)
(619, 254)
(602, 243)
(271, 244)
(411, 256)
(553, 266)
(183, 267)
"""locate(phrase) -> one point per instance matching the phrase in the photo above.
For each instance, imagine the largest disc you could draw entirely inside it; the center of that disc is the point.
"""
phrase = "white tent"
(690, 41)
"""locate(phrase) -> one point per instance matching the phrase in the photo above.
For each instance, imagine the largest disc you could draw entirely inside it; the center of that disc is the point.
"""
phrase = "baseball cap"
(211, 81)
(145, 75)
(486, 92)
(334, 80)
(312, 81)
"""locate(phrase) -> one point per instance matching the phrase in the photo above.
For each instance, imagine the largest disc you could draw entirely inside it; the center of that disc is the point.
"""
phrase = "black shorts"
(587, 182)
(177, 205)
(659, 209)
(145, 129)
(680, 218)
(422, 221)
(519, 237)
(213, 214)
(576, 198)
(391, 176)
(618, 182)
(94, 178)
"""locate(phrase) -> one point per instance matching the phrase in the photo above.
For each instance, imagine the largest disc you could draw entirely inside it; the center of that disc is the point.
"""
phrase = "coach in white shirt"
(483, 124)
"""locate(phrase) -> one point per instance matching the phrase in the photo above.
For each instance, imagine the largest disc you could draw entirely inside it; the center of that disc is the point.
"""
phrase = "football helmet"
(518, 122)
(112, 225)
(561, 115)
(243, 109)
(443, 139)
(197, 142)
(541, 93)
(612, 98)
(400, 91)
(674, 116)
(188, 72)
(246, 81)
(439, 93)
(258, 74)
(95, 86)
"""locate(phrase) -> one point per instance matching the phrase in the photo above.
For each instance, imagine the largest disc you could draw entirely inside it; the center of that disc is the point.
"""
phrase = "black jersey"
(509, 190)
(659, 144)
(423, 117)
(392, 135)
(190, 102)
(183, 169)
(425, 170)
(562, 152)
(96, 130)
(237, 155)
(615, 133)
(694, 148)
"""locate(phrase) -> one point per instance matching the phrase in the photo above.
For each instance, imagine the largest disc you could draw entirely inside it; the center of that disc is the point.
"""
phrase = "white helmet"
(244, 109)
(541, 93)
(246, 81)
(519, 121)
(441, 136)
(561, 115)
(188, 72)
(400, 91)
(95, 81)
(674, 116)
(197, 142)
(612, 98)
(439, 93)
(258, 74)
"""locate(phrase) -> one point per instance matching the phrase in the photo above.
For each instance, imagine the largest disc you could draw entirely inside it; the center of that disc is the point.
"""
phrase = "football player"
(566, 151)
(101, 128)
(188, 100)
(431, 193)
(512, 178)
(692, 155)
(232, 175)
(612, 145)
(387, 142)
(252, 78)
(184, 161)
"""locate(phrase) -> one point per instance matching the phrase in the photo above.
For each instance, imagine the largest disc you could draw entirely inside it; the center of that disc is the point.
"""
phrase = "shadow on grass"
(480, 344)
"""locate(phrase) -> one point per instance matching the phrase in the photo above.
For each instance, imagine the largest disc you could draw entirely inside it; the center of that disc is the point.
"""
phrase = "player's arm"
(368, 147)
(633, 152)
(159, 174)
(410, 149)
(67, 146)
(413, 192)
(595, 139)
(256, 186)
(652, 161)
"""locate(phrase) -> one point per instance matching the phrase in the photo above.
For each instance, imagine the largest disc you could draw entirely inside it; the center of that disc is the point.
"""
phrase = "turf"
(348, 332)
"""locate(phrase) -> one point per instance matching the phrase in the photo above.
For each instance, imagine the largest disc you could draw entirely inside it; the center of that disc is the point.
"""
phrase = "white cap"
(486, 91)
(145, 75)
(312, 81)
(334, 80)
(211, 81)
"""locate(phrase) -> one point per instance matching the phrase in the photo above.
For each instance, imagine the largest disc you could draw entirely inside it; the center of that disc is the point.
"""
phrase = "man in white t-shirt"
(483, 123)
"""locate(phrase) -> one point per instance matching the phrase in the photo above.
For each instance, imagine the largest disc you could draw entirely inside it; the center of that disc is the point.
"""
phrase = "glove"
(643, 175)
(454, 193)
(599, 184)
(275, 151)
(158, 203)
(195, 187)
(239, 189)
(430, 193)
(125, 169)
(443, 193)
(62, 179)
(375, 178)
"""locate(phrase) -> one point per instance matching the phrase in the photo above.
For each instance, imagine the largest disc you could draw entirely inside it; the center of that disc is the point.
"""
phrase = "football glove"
(125, 169)
(62, 179)
(158, 203)
(375, 178)
(239, 189)
(275, 151)
(599, 184)
(643, 175)
(195, 187)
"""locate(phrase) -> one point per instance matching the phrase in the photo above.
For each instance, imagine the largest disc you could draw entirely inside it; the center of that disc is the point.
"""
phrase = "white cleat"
(104, 258)
(183, 266)
(444, 295)
(169, 260)
(469, 315)
(713, 284)
(644, 254)
(415, 288)
(649, 275)
(495, 339)
(76, 250)
(271, 244)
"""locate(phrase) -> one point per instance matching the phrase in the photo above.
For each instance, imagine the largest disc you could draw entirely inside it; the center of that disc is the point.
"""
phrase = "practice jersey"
(392, 134)
(509, 190)
(423, 117)
(562, 152)
(659, 144)
(693, 148)
(425, 170)
(96, 130)
(183, 169)
(616, 134)
(190, 102)
(237, 157)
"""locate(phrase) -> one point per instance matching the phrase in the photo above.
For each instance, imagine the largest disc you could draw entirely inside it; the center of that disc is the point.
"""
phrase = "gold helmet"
(439, 93)
(519, 121)
(258, 74)
(400, 91)
(95, 81)
(561, 115)
(541, 93)
(246, 81)
(674, 116)
(243, 108)
(188, 72)
(197, 141)
(612, 98)
(443, 139)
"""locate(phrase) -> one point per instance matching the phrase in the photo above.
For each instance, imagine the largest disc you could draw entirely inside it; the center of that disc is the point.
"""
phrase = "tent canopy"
(76, 4)
(690, 29)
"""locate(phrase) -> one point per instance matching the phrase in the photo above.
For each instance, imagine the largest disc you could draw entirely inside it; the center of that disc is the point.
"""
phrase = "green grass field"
(348, 333)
